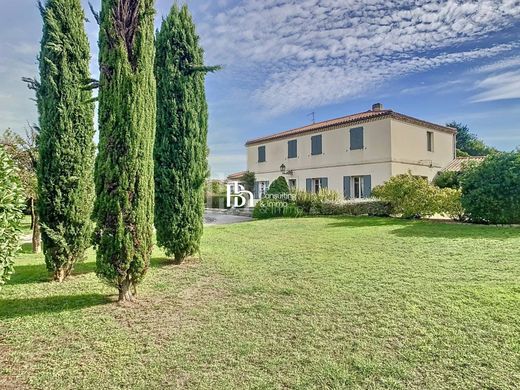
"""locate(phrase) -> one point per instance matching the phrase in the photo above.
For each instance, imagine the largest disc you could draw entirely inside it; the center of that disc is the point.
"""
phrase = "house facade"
(351, 154)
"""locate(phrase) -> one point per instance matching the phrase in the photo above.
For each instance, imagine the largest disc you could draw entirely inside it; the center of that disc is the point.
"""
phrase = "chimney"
(377, 107)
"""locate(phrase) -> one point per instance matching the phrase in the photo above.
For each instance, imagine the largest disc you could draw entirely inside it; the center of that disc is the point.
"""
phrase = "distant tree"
(278, 186)
(468, 144)
(491, 190)
(24, 152)
(249, 181)
(181, 150)
(65, 142)
(124, 164)
(11, 206)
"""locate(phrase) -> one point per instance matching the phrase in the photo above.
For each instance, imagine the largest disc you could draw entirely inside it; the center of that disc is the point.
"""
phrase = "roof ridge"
(352, 118)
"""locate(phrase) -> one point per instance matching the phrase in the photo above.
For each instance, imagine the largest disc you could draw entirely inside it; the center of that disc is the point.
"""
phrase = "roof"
(236, 175)
(353, 119)
(459, 163)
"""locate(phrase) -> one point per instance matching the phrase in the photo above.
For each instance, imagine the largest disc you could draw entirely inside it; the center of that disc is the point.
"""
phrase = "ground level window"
(316, 185)
(357, 187)
(292, 184)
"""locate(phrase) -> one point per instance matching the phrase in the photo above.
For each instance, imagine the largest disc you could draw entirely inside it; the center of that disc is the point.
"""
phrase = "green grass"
(305, 303)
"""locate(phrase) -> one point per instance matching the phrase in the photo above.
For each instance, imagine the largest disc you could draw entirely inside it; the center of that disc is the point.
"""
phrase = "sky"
(285, 59)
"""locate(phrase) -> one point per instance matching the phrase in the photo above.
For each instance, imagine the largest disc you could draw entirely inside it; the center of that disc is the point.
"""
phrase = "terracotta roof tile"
(459, 163)
(349, 120)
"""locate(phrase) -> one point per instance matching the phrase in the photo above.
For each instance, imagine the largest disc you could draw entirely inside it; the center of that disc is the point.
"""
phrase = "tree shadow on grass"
(37, 273)
(433, 229)
(15, 308)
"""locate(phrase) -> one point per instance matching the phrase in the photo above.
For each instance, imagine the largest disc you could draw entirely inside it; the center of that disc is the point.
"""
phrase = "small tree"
(181, 148)
(491, 190)
(124, 164)
(65, 143)
(11, 206)
(278, 186)
(249, 181)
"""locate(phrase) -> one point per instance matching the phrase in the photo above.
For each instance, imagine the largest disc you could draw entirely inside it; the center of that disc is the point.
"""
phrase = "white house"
(351, 154)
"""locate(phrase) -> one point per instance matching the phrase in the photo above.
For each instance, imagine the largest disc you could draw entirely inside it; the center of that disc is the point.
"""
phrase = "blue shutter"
(292, 147)
(316, 147)
(261, 154)
(356, 138)
(367, 186)
(324, 182)
(308, 185)
(346, 187)
(255, 192)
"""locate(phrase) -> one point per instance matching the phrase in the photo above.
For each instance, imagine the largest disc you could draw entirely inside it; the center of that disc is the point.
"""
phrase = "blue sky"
(437, 60)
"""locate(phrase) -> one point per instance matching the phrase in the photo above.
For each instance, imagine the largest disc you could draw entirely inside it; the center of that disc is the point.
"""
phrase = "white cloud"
(312, 53)
(499, 87)
(507, 63)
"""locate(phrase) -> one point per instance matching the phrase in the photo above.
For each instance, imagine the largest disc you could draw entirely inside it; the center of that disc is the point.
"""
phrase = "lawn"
(309, 303)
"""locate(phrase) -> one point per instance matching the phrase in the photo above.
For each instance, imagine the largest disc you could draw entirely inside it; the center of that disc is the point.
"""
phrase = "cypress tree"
(124, 164)
(180, 150)
(65, 144)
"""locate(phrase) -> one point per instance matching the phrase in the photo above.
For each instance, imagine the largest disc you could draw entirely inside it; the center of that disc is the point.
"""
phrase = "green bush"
(410, 196)
(447, 179)
(279, 186)
(11, 212)
(372, 207)
(269, 208)
(491, 190)
(449, 203)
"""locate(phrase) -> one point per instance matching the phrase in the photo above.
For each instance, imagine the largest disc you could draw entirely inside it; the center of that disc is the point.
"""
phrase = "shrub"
(447, 179)
(11, 212)
(279, 186)
(491, 190)
(410, 196)
(373, 207)
(269, 208)
(311, 202)
(449, 203)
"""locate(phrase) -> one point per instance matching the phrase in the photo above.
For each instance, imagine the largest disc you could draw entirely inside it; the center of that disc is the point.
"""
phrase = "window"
(429, 140)
(262, 189)
(316, 184)
(357, 187)
(356, 138)
(316, 145)
(292, 149)
(261, 154)
(292, 184)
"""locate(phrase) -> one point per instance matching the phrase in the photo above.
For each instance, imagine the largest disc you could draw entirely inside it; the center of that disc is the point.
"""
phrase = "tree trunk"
(36, 235)
(125, 291)
(60, 275)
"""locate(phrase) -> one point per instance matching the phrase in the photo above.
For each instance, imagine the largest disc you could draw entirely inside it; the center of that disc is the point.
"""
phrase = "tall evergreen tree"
(180, 151)
(124, 164)
(66, 147)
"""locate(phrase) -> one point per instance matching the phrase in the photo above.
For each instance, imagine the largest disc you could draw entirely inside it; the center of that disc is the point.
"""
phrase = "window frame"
(361, 184)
